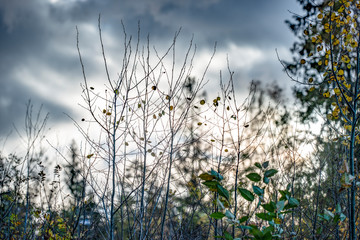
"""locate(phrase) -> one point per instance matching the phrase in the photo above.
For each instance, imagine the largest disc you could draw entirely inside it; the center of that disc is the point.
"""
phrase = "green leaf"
(243, 227)
(216, 175)
(270, 207)
(270, 172)
(246, 194)
(324, 217)
(206, 177)
(338, 208)
(220, 204)
(285, 195)
(258, 165)
(280, 206)
(256, 232)
(267, 233)
(328, 213)
(217, 215)
(258, 191)
(227, 236)
(229, 214)
(254, 177)
(265, 164)
(342, 217)
(336, 218)
(293, 202)
(264, 216)
(266, 180)
(212, 185)
(222, 191)
(243, 219)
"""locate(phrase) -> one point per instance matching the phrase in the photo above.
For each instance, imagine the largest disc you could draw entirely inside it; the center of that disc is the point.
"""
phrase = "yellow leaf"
(302, 61)
(345, 58)
(341, 9)
(347, 85)
(202, 102)
(345, 143)
(353, 44)
(341, 72)
(206, 177)
(311, 80)
(347, 127)
(349, 99)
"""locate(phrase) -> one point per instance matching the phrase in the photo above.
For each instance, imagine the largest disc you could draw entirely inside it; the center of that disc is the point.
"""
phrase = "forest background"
(163, 157)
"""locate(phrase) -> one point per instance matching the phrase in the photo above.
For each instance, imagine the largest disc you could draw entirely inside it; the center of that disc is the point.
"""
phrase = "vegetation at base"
(163, 160)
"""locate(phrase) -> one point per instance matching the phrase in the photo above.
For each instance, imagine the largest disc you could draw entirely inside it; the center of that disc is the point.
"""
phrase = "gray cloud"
(38, 41)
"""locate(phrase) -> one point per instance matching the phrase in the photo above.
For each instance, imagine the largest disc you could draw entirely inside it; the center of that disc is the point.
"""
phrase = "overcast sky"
(39, 61)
